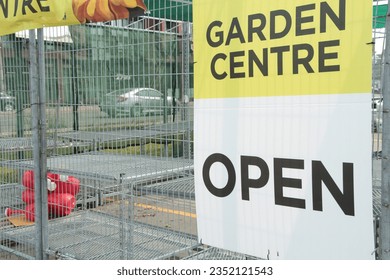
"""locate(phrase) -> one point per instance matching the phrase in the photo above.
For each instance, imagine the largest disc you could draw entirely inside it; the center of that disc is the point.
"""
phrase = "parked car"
(7, 102)
(135, 102)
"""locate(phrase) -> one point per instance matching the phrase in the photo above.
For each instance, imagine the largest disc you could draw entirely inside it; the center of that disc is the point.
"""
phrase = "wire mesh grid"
(127, 225)
(180, 188)
(108, 166)
(169, 204)
(54, 146)
(116, 144)
(10, 196)
(212, 253)
(135, 164)
(96, 235)
(376, 194)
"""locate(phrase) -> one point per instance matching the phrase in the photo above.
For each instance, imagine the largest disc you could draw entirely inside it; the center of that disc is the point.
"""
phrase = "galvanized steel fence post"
(384, 252)
(42, 141)
(37, 95)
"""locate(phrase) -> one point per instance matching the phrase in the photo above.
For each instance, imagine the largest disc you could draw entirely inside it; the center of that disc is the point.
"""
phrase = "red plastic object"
(28, 179)
(28, 196)
(59, 205)
(71, 185)
(29, 212)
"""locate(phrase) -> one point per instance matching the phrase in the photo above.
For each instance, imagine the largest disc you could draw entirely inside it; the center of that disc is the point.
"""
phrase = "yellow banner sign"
(283, 48)
(17, 15)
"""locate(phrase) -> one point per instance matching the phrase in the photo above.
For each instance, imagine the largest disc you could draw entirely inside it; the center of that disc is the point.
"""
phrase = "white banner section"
(285, 177)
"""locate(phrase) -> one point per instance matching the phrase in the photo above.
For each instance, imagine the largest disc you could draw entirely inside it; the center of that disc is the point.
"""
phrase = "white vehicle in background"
(136, 102)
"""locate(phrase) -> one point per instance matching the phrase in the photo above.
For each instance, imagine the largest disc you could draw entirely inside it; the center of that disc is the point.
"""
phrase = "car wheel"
(136, 111)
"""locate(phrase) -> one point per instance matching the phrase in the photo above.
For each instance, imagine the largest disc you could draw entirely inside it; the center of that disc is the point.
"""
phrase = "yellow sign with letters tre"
(17, 15)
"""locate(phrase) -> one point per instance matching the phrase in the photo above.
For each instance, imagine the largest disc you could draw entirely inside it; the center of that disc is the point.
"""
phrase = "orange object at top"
(105, 10)
(17, 15)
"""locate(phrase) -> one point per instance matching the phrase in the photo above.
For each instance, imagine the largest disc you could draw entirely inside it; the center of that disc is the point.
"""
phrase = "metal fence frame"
(61, 130)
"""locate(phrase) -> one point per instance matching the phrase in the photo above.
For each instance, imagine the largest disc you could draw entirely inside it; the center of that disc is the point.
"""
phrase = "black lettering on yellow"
(4, 7)
(43, 8)
(274, 34)
(256, 29)
(16, 8)
(241, 64)
(300, 20)
(218, 34)
(25, 7)
(304, 61)
(323, 56)
(216, 75)
(279, 23)
(338, 20)
(235, 32)
(234, 64)
(261, 65)
(279, 52)
(28, 4)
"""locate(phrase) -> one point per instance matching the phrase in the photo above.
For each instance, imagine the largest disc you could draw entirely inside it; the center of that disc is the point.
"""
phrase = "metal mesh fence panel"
(119, 123)
(119, 107)
(379, 20)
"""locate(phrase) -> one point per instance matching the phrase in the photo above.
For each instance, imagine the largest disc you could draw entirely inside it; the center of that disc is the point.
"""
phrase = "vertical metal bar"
(122, 227)
(173, 82)
(384, 244)
(186, 66)
(19, 99)
(75, 94)
(42, 140)
(39, 146)
(186, 86)
(130, 224)
(35, 139)
(2, 81)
